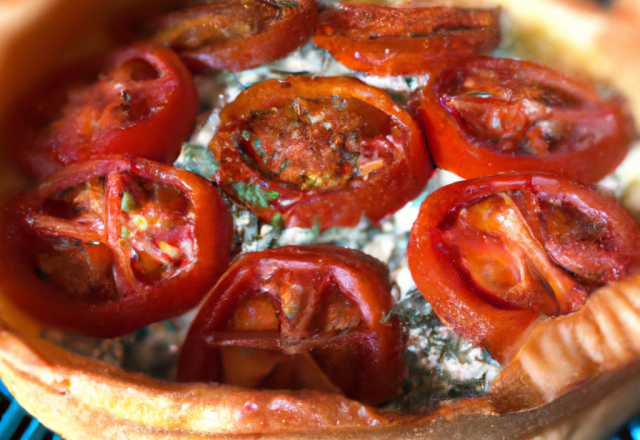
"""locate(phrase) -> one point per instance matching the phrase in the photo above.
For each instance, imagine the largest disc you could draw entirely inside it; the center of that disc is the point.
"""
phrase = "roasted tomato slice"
(384, 41)
(107, 246)
(319, 152)
(491, 115)
(140, 100)
(299, 317)
(231, 34)
(493, 255)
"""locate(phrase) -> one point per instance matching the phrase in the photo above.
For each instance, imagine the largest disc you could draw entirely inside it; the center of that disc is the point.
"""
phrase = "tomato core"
(520, 114)
(318, 143)
(531, 252)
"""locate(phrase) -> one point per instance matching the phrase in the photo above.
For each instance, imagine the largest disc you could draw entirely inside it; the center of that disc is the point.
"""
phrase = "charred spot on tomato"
(316, 143)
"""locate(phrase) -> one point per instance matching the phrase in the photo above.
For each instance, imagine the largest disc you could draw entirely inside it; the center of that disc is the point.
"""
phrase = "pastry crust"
(86, 398)
(576, 377)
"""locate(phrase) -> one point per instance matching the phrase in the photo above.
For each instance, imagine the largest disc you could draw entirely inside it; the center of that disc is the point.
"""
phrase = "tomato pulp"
(493, 115)
(139, 100)
(385, 41)
(495, 254)
(319, 152)
(299, 317)
(107, 246)
(231, 34)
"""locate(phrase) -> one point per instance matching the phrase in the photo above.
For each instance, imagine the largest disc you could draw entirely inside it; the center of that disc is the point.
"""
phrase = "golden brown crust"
(565, 352)
(597, 347)
(84, 398)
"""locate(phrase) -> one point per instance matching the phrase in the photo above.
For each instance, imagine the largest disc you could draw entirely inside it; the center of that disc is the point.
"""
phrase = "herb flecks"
(254, 194)
(128, 203)
(441, 364)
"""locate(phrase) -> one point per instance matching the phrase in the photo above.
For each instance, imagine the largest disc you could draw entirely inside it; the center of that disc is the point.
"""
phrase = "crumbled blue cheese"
(441, 365)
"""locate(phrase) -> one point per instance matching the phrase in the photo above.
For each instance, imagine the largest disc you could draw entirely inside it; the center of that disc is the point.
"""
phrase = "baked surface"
(592, 387)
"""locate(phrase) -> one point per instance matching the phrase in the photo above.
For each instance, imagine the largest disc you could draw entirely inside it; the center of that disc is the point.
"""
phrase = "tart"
(573, 377)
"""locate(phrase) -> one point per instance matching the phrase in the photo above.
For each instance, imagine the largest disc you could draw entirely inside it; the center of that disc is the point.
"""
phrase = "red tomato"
(493, 255)
(491, 115)
(319, 152)
(386, 41)
(140, 100)
(231, 34)
(299, 317)
(107, 246)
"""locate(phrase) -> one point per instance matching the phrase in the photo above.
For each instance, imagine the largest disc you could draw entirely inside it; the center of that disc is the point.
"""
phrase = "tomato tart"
(534, 268)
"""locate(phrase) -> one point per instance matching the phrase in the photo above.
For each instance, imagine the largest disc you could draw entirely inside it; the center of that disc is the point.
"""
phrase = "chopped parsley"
(254, 194)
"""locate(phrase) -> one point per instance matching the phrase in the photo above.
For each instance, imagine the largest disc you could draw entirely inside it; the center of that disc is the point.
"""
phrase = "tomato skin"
(372, 369)
(500, 325)
(346, 31)
(402, 176)
(125, 299)
(139, 100)
(455, 148)
(292, 25)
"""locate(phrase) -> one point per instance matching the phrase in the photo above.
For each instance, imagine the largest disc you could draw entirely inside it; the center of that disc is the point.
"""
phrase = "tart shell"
(576, 377)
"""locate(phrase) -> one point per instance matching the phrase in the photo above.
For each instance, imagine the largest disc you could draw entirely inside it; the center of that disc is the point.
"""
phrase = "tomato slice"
(231, 34)
(299, 317)
(319, 152)
(107, 246)
(139, 100)
(385, 41)
(495, 254)
(491, 115)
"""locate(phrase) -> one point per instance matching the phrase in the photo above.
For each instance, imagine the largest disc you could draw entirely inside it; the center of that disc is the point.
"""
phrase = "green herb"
(254, 194)
(128, 203)
(284, 165)
(246, 135)
(124, 232)
(277, 221)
